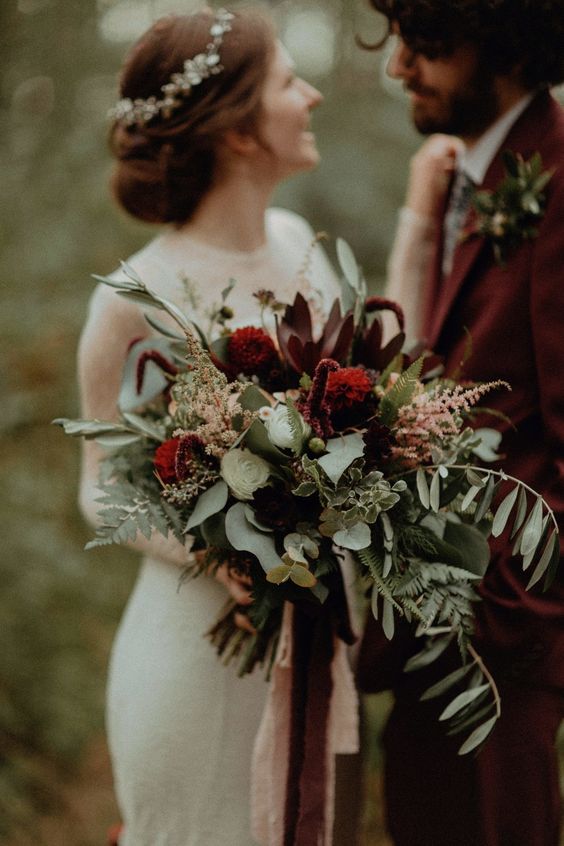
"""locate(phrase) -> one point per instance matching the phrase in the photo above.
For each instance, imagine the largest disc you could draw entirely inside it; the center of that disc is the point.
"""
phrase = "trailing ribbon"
(310, 715)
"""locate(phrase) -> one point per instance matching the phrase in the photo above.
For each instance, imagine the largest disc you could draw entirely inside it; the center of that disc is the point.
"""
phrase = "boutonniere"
(509, 215)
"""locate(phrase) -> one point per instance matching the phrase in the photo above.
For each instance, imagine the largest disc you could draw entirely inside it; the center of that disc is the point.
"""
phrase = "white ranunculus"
(279, 430)
(244, 472)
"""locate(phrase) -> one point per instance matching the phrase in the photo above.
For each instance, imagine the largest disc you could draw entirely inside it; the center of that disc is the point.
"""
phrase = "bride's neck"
(232, 214)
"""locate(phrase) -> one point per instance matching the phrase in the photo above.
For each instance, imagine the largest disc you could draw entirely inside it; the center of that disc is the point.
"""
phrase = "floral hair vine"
(200, 67)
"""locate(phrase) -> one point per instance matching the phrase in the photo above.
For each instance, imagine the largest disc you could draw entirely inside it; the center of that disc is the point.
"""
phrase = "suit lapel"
(522, 138)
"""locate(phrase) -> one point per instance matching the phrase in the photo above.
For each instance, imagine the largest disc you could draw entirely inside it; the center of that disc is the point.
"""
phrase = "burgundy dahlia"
(275, 508)
(347, 387)
(165, 460)
(251, 351)
(174, 459)
(379, 440)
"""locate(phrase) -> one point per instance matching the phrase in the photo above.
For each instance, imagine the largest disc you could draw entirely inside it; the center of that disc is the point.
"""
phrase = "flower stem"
(478, 660)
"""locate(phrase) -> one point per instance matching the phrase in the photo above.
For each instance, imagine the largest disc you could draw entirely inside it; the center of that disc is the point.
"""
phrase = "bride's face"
(284, 126)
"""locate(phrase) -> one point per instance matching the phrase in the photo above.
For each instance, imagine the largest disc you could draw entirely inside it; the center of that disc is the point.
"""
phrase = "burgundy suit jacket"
(515, 315)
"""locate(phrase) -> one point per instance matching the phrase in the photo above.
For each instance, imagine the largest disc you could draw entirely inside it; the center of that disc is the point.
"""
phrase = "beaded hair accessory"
(201, 67)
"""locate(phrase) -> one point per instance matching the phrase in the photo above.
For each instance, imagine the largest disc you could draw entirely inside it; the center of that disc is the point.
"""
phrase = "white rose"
(244, 472)
(279, 430)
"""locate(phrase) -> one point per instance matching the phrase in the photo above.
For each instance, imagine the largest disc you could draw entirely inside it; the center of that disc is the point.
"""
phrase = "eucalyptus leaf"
(118, 440)
(435, 492)
(388, 529)
(144, 426)
(252, 518)
(533, 529)
(88, 428)
(462, 700)
(469, 497)
(341, 452)
(486, 499)
(423, 488)
(210, 502)
(504, 511)
(521, 512)
(348, 263)
(469, 718)
(246, 538)
(388, 624)
(278, 575)
(478, 736)
(163, 329)
(531, 555)
(433, 649)
(475, 479)
(355, 538)
(553, 564)
(552, 548)
(115, 283)
(374, 601)
(302, 577)
(446, 683)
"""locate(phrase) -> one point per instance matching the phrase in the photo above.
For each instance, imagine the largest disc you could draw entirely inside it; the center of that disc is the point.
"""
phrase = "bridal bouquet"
(279, 455)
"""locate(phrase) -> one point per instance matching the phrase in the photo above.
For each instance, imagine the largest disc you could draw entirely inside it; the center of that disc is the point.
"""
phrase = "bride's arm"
(112, 325)
(418, 222)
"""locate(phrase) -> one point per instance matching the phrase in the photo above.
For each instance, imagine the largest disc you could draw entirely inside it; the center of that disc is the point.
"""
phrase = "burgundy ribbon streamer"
(312, 685)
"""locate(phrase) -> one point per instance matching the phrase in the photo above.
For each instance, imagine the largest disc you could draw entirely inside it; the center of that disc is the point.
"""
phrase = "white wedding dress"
(181, 725)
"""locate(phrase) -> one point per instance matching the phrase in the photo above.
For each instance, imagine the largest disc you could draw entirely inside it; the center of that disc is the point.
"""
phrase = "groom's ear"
(243, 142)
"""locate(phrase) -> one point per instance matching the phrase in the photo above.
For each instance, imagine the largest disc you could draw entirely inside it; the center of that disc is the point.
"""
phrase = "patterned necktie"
(456, 215)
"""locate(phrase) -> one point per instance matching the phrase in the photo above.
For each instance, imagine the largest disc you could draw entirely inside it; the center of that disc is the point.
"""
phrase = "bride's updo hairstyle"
(167, 164)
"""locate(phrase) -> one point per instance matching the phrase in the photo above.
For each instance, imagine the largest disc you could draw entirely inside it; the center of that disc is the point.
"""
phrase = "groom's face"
(453, 94)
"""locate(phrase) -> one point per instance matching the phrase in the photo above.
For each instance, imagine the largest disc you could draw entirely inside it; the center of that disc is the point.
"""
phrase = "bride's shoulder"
(288, 227)
(104, 302)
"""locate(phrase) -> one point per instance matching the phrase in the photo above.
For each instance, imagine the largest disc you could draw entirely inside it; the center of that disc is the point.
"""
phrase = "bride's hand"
(238, 586)
(430, 172)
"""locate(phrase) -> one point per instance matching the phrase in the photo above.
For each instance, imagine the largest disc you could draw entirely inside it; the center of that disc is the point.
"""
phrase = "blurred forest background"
(59, 605)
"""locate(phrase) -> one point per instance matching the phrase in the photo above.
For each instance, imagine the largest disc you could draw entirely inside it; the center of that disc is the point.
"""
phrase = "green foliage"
(132, 501)
(510, 215)
(401, 393)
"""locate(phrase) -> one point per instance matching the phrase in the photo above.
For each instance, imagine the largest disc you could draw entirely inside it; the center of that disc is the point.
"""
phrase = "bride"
(211, 118)
(205, 159)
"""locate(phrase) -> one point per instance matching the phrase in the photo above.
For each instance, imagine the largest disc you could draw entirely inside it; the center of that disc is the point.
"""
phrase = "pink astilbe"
(433, 419)
(207, 403)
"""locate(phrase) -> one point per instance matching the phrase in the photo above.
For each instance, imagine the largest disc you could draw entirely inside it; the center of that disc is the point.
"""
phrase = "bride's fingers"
(237, 585)
(243, 622)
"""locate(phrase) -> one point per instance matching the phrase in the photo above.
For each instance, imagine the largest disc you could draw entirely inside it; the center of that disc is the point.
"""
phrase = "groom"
(481, 70)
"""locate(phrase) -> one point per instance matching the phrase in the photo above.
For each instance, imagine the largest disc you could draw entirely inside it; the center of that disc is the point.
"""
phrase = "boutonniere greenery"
(510, 214)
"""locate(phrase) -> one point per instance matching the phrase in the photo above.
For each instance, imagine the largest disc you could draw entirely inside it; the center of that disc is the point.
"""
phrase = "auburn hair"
(164, 167)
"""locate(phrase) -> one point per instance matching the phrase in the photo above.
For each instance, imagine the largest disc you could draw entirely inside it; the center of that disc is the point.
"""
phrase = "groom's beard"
(466, 112)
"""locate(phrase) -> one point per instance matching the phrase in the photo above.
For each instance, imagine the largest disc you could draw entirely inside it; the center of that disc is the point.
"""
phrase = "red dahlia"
(174, 458)
(346, 387)
(251, 351)
(165, 460)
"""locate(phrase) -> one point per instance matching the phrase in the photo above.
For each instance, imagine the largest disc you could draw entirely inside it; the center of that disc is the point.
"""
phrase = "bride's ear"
(241, 142)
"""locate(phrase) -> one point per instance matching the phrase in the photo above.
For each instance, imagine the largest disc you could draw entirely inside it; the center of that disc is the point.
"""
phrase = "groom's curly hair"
(527, 35)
